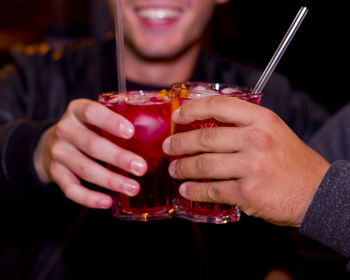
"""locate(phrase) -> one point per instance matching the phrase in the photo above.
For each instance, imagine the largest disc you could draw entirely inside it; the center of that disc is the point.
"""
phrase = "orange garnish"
(183, 92)
(162, 93)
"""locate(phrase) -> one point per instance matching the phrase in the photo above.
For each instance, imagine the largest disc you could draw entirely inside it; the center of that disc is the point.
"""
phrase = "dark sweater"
(328, 217)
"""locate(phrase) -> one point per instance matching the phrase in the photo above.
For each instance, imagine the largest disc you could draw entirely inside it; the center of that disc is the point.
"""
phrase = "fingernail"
(130, 189)
(183, 190)
(104, 203)
(172, 168)
(126, 130)
(166, 145)
(176, 114)
(138, 167)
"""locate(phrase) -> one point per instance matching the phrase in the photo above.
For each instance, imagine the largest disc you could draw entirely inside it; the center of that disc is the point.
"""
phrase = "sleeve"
(34, 92)
(328, 217)
(332, 141)
(18, 138)
(18, 179)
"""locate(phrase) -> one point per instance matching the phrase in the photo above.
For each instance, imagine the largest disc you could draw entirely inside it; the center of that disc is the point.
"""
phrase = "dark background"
(248, 31)
(316, 59)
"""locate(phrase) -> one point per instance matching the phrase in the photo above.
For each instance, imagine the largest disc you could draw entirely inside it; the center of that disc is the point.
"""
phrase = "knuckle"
(206, 136)
(53, 169)
(213, 193)
(249, 191)
(112, 183)
(91, 146)
(260, 139)
(216, 101)
(69, 192)
(61, 129)
(81, 107)
(56, 150)
(269, 116)
(84, 171)
(180, 169)
(249, 211)
(87, 111)
(72, 105)
(204, 164)
(177, 143)
(121, 159)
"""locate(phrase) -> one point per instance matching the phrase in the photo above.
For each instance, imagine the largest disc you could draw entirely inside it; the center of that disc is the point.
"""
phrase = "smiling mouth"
(158, 14)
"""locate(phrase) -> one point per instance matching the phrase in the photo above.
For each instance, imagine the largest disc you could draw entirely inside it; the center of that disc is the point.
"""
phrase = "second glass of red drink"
(181, 93)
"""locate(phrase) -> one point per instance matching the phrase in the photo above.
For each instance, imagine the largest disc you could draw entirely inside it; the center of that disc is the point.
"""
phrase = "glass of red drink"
(180, 93)
(150, 113)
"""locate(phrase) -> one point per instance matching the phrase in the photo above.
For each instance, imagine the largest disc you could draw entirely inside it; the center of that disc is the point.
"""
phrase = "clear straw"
(119, 40)
(280, 50)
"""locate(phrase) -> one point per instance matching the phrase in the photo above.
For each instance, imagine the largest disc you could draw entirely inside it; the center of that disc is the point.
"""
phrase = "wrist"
(40, 158)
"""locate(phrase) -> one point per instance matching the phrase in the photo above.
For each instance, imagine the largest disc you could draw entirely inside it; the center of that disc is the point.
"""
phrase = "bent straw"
(280, 50)
(119, 40)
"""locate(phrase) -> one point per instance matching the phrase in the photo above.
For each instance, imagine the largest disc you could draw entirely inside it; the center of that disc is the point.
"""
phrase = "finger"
(210, 139)
(96, 114)
(89, 170)
(208, 166)
(102, 149)
(226, 192)
(222, 108)
(73, 190)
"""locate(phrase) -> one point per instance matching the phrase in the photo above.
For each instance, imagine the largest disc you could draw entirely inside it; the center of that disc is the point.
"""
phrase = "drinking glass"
(181, 93)
(150, 114)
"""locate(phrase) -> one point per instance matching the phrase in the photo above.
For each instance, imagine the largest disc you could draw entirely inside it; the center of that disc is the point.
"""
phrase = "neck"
(161, 72)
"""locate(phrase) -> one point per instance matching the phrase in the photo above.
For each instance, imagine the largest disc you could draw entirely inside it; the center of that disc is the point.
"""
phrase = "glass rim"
(128, 93)
(216, 87)
(133, 95)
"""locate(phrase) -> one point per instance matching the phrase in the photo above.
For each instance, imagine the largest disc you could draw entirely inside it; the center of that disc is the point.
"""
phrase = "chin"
(156, 52)
(159, 55)
(159, 52)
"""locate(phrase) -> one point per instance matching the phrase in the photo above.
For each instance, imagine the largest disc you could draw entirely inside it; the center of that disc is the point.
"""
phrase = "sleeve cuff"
(328, 217)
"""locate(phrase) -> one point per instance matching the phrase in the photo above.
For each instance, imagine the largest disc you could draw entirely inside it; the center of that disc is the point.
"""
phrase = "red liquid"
(202, 211)
(152, 125)
(194, 210)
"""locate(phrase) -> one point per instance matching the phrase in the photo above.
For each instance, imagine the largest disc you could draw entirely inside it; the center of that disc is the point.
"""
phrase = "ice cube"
(150, 127)
(114, 100)
(200, 88)
(229, 90)
(199, 91)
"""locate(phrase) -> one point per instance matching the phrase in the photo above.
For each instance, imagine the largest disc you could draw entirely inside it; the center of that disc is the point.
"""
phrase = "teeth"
(158, 14)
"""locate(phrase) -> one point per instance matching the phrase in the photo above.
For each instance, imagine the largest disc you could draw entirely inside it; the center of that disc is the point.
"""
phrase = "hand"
(66, 152)
(263, 167)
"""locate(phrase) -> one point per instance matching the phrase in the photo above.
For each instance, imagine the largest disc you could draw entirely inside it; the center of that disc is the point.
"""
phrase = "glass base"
(144, 217)
(218, 219)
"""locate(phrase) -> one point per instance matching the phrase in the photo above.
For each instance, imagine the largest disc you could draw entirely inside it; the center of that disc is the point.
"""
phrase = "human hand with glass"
(67, 152)
(263, 167)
